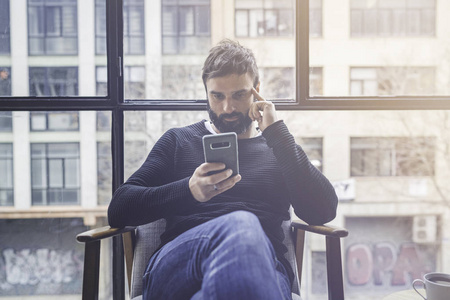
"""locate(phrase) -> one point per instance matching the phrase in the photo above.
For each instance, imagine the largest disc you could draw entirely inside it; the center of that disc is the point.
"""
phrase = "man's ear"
(257, 86)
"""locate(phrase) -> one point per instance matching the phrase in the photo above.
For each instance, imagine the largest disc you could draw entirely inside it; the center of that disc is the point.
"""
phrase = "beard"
(241, 125)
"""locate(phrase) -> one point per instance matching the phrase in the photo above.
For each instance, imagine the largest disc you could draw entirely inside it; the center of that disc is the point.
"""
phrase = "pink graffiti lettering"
(359, 264)
(380, 262)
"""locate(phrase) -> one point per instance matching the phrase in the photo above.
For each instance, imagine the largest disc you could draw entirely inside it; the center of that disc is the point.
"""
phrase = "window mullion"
(114, 38)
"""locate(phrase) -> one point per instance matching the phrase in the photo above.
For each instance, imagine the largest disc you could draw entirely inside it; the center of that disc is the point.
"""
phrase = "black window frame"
(116, 104)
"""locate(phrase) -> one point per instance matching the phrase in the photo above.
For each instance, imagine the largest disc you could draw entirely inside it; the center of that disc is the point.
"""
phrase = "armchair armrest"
(101, 233)
(333, 235)
(91, 240)
(327, 230)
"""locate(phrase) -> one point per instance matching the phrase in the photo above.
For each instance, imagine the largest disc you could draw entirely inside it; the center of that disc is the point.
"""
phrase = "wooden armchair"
(140, 242)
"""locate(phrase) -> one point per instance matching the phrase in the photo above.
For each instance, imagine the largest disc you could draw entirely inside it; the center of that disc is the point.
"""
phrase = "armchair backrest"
(148, 239)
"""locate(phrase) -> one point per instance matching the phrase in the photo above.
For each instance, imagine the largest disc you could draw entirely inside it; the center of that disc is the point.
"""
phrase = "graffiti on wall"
(384, 264)
(41, 266)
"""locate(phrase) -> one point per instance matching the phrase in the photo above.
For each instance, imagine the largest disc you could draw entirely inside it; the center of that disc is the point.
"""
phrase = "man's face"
(229, 100)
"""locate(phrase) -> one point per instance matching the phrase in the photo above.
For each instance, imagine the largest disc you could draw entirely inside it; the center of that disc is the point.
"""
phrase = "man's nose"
(228, 106)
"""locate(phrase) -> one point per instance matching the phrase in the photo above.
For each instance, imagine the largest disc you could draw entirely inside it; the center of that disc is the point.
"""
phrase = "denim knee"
(244, 226)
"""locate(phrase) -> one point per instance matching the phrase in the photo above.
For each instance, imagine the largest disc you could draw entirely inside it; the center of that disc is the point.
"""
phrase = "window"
(392, 81)
(135, 121)
(186, 27)
(6, 175)
(54, 121)
(315, 18)
(55, 173)
(52, 27)
(392, 156)
(181, 81)
(133, 27)
(326, 118)
(134, 79)
(5, 121)
(4, 29)
(104, 173)
(315, 81)
(393, 18)
(53, 81)
(313, 149)
(265, 18)
(136, 154)
(5, 81)
(277, 83)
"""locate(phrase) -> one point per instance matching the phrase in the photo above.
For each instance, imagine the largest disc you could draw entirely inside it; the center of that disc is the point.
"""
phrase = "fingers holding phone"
(204, 185)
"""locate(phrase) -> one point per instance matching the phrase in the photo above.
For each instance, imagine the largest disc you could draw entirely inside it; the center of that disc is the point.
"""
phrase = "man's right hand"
(203, 186)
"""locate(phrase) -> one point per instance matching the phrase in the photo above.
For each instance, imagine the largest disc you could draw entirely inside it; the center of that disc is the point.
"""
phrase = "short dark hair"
(229, 57)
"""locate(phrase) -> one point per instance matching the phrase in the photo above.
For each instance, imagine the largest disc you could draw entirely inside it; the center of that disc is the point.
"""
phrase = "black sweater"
(276, 173)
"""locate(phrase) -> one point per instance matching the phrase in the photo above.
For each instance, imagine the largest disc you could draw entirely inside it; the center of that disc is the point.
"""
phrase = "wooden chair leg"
(334, 269)
(91, 270)
(299, 251)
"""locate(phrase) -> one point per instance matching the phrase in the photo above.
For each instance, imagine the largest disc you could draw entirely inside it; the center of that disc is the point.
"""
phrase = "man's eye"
(239, 96)
(218, 96)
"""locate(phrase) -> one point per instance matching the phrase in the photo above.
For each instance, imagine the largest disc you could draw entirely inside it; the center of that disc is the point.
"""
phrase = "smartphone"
(222, 147)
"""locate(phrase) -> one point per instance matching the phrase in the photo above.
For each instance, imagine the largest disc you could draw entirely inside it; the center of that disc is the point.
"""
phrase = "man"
(223, 238)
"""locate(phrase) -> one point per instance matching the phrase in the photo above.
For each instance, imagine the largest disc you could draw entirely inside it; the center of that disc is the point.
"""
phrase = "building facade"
(389, 168)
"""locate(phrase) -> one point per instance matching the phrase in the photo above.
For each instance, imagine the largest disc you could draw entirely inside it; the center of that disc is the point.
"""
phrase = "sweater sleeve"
(312, 195)
(151, 192)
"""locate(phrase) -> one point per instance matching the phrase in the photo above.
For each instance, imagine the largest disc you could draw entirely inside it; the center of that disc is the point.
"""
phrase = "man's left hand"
(269, 114)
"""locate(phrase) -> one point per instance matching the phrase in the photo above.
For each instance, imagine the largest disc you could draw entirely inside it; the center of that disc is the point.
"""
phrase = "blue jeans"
(229, 257)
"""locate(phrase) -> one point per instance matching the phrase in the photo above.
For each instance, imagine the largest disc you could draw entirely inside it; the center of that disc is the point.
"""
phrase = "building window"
(315, 81)
(264, 18)
(5, 121)
(6, 175)
(315, 18)
(393, 18)
(313, 148)
(135, 153)
(53, 81)
(55, 173)
(133, 27)
(104, 173)
(182, 81)
(54, 121)
(379, 156)
(186, 27)
(52, 27)
(134, 80)
(278, 83)
(392, 81)
(5, 81)
(4, 28)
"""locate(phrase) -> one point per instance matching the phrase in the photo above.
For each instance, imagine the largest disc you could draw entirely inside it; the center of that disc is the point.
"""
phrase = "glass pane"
(5, 81)
(383, 165)
(55, 61)
(241, 23)
(56, 171)
(186, 38)
(5, 47)
(385, 35)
